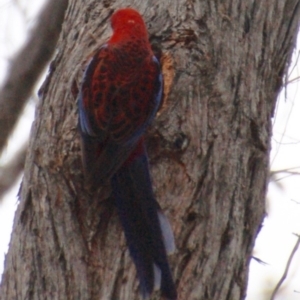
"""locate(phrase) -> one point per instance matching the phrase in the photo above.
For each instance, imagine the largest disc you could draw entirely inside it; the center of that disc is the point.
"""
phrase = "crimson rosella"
(118, 99)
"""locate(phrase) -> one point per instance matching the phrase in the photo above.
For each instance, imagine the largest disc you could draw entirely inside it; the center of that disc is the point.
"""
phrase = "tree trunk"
(223, 63)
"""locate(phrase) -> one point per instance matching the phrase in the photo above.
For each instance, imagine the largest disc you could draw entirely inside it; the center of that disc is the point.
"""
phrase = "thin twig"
(286, 268)
(284, 170)
(288, 171)
(259, 261)
(289, 174)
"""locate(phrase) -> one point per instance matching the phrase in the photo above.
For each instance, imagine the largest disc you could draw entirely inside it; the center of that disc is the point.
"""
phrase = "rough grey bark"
(209, 151)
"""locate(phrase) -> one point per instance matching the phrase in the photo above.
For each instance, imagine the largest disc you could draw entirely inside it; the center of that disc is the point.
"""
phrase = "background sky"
(276, 239)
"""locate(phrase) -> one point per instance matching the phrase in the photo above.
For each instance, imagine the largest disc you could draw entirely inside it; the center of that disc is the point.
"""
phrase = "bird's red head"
(127, 23)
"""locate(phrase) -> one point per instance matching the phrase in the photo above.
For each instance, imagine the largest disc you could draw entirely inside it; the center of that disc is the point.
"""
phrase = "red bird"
(118, 99)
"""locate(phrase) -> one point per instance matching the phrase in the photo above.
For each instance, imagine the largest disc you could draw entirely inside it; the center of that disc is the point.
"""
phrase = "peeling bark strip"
(209, 153)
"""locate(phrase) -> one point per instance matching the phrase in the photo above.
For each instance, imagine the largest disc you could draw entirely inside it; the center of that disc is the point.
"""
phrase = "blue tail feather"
(147, 231)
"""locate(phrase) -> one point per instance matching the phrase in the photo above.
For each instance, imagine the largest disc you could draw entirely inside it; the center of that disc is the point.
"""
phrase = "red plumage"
(119, 96)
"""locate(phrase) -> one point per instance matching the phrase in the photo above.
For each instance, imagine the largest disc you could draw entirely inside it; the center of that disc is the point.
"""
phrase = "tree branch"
(28, 66)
